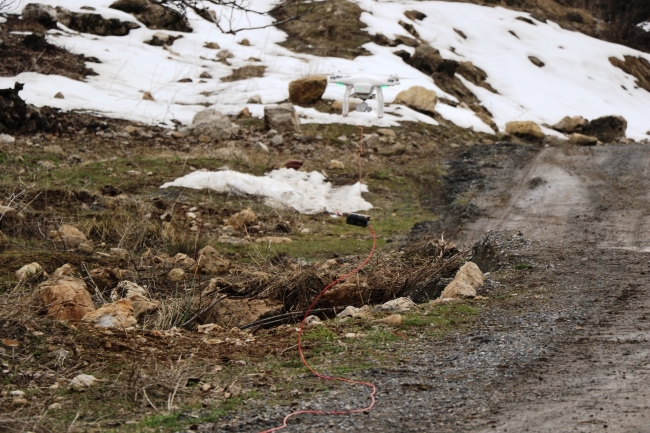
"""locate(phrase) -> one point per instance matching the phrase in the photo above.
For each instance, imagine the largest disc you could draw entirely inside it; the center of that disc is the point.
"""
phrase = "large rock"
(468, 279)
(608, 129)
(118, 314)
(282, 118)
(569, 125)
(210, 262)
(231, 313)
(137, 295)
(70, 236)
(65, 298)
(152, 15)
(525, 129)
(214, 125)
(307, 90)
(418, 98)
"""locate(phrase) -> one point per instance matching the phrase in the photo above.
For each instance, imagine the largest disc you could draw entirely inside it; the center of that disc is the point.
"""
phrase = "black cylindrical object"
(355, 219)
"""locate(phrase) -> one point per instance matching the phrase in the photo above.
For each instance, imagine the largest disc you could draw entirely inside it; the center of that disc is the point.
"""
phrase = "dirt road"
(566, 346)
(594, 195)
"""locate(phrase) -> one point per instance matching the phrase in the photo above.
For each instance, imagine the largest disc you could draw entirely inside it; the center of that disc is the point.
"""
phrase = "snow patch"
(308, 193)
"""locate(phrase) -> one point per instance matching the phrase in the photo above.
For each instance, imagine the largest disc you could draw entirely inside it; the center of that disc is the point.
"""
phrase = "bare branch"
(224, 20)
(6, 5)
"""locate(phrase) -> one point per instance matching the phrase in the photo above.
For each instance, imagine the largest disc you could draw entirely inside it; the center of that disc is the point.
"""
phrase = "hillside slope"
(535, 70)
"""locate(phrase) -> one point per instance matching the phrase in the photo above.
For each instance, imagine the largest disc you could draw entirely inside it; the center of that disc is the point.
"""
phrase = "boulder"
(137, 295)
(608, 129)
(152, 15)
(30, 270)
(525, 129)
(214, 125)
(282, 118)
(71, 237)
(307, 90)
(118, 314)
(583, 140)
(468, 278)
(65, 298)
(210, 262)
(569, 125)
(418, 98)
(241, 219)
(231, 313)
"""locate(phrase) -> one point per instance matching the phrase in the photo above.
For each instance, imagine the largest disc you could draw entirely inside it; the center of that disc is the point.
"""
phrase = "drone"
(364, 88)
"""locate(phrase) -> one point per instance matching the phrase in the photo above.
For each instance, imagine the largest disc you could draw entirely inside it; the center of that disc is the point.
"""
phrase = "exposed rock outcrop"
(153, 15)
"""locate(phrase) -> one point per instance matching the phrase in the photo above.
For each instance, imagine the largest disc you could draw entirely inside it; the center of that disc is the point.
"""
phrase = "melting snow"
(577, 78)
(307, 193)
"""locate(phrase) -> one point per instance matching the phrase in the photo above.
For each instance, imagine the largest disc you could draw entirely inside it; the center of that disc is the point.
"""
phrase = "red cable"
(317, 374)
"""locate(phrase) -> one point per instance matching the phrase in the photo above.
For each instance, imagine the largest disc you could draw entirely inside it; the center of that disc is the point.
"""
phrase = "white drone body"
(364, 87)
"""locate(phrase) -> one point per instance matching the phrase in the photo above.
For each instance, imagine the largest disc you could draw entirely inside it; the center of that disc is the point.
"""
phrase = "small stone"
(54, 406)
(176, 275)
(130, 129)
(147, 96)
(47, 165)
(224, 55)
(212, 45)
(119, 253)
(245, 43)
(277, 140)
(271, 133)
(342, 138)
(335, 165)
(583, 140)
(205, 75)
(244, 113)
(255, 99)
(133, 173)
(392, 320)
(82, 382)
(17, 393)
(6, 139)
(305, 231)
(537, 62)
(261, 147)
(185, 80)
(59, 95)
(385, 132)
(19, 401)
(29, 271)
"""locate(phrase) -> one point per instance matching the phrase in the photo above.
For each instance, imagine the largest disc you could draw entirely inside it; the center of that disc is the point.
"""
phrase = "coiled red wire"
(322, 376)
